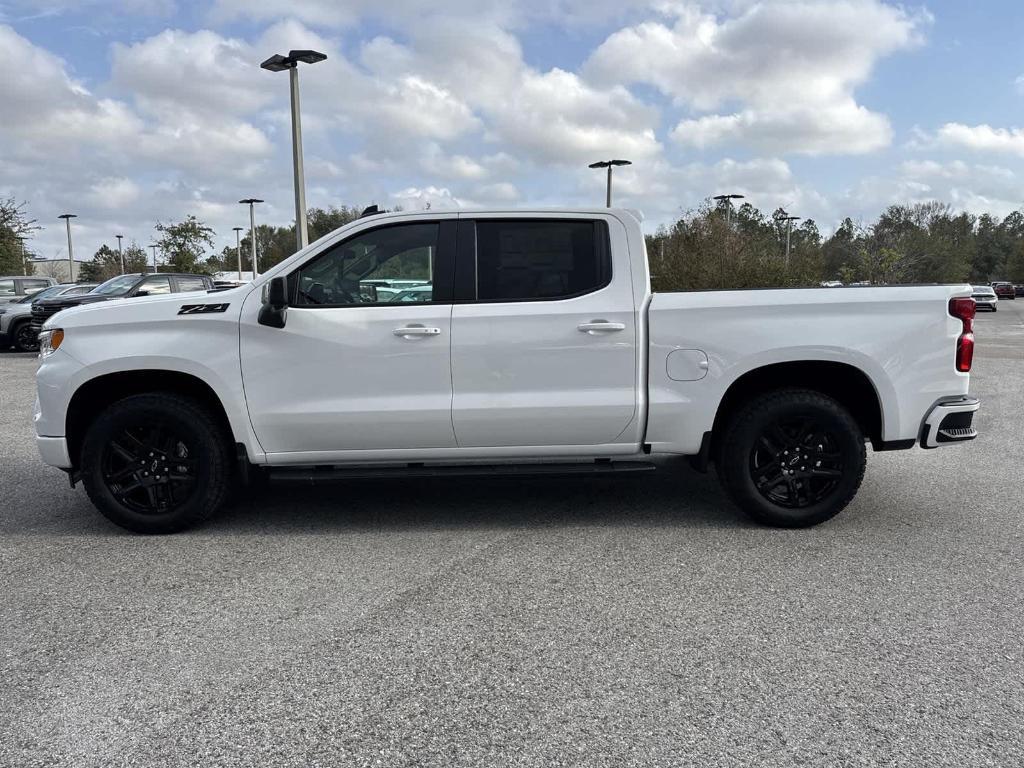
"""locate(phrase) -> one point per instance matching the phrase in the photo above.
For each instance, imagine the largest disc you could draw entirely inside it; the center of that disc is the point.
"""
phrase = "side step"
(329, 474)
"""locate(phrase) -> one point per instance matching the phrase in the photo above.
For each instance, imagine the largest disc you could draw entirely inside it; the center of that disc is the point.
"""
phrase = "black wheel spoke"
(825, 472)
(123, 452)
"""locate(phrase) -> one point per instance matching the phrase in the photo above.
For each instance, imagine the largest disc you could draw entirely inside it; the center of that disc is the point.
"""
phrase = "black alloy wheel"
(796, 463)
(157, 462)
(25, 339)
(149, 469)
(791, 457)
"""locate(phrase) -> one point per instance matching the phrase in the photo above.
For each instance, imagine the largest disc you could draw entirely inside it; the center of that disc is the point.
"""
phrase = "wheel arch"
(96, 394)
(845, 383)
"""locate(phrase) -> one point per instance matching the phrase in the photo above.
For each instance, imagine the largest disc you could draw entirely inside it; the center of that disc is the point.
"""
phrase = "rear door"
(544, 337)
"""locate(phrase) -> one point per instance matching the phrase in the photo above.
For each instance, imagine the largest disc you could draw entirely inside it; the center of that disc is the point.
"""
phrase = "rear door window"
(540, 260)
(190, 283)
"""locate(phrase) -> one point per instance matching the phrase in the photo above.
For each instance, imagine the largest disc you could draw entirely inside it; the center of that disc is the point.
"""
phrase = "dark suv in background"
(121, 287)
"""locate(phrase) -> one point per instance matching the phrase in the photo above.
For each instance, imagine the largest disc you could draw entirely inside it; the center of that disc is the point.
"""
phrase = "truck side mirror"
(274, 311)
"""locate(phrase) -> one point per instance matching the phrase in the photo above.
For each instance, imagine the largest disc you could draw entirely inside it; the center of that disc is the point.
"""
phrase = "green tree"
(15, 228)
(105, 264)
(183, 244)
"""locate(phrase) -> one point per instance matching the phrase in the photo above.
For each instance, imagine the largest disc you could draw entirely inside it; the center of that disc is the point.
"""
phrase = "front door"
(544, 344)
(352, 369)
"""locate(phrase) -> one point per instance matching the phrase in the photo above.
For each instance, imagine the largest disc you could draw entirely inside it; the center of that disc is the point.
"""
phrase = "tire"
(23, 338)
(791, 458)
(184, 470)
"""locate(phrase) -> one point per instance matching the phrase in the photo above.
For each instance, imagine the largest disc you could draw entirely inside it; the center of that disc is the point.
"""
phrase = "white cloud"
(810, 130)
(978, 138)
(114, 193)
(792, 65)
(971, 187)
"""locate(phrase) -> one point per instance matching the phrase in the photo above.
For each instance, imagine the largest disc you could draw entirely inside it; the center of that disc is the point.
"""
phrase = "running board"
(328, 474)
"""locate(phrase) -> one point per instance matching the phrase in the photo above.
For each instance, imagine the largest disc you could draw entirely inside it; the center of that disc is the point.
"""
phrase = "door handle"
(411, 331)
(600, 326)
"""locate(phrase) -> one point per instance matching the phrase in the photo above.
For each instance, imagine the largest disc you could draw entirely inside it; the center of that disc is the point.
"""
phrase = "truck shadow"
(674, 495)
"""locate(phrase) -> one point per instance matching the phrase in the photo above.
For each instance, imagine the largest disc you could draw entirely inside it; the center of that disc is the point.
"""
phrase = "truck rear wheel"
(792, 458)
(156, 463)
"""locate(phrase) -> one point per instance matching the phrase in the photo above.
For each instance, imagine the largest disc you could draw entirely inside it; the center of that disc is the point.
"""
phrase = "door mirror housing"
(274, 312)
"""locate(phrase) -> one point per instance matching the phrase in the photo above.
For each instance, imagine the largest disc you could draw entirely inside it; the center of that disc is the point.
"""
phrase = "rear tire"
(156, 463)
(791, 458)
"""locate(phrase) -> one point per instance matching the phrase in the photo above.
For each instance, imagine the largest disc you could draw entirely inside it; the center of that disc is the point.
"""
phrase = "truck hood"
(81, 313)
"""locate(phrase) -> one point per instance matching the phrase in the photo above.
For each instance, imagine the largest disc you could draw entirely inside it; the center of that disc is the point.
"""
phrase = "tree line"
(718, 247)
(712, 246)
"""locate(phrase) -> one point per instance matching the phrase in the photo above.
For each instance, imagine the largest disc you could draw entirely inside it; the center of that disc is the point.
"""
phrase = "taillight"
(964, 310)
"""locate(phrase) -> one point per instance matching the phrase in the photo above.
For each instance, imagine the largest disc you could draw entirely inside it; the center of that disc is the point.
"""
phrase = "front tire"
(156, 463)
(24, 338)
(792, 458)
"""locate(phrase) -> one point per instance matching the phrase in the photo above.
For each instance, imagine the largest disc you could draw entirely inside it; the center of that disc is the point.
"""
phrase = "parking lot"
(569, 621)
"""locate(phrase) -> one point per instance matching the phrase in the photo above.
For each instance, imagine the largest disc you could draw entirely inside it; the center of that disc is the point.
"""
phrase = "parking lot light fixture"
(71, 251)
(238, 249)
(251, 201)
(726, 201)
(154, 247)
(120, 252)
(789, 230)
(609, 164)
(279, 63)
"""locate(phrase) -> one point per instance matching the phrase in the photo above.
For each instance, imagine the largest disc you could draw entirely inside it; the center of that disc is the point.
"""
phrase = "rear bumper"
(950, 421)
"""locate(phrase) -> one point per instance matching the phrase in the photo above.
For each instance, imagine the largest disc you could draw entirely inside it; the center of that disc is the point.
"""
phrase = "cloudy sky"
(131, 111)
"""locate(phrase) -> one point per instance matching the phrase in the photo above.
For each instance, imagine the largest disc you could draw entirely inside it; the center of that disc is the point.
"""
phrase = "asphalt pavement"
(621, 621)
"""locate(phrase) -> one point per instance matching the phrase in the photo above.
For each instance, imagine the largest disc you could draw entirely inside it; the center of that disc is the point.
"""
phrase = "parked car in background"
(121, 287)
(985, 297)
(17, 287)
(16, 316)
(1019, 289)
(1004, 290)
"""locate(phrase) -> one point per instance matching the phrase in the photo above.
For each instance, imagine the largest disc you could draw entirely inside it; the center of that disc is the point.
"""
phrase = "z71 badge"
(202, 309)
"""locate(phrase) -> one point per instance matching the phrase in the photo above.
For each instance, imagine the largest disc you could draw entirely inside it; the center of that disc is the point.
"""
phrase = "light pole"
(251, 201)
(279, 63)
(789, 230)
(120, 252)
(24, 256)
(71, 252)
(609, 164)
(154, 247)
(238, 250)
(726, 201)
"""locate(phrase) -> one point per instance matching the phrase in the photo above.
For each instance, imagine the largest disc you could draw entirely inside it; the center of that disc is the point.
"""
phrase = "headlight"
(50, 341)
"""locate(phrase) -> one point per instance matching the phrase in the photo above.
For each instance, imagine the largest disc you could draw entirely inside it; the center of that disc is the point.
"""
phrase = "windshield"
(46, 293)
(116, 285)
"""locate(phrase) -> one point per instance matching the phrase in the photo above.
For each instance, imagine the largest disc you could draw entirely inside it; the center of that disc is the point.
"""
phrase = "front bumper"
(950, 421)
(54, 451)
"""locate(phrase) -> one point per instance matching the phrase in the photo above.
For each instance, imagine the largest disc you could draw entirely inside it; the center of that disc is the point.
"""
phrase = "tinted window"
(524, 260)
(191, 284)
(351, 273)
(34, 286)
(115, 286)
(153, 286)
(6, 287)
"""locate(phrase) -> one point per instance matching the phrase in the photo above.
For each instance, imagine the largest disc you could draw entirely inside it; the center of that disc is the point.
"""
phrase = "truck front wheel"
(792, 458)
(156, 463)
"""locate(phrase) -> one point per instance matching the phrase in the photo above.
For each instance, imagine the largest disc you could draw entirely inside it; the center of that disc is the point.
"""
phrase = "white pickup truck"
(449, 343)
